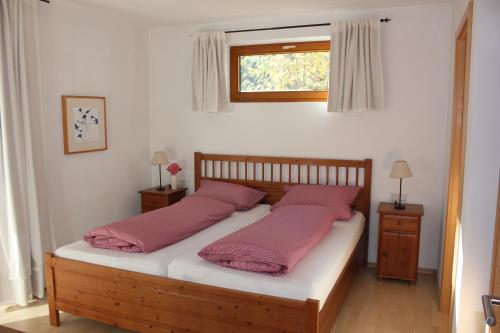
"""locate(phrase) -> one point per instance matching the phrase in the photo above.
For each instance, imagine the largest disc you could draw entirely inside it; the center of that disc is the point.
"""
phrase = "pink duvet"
(275, 243)
(159, 228)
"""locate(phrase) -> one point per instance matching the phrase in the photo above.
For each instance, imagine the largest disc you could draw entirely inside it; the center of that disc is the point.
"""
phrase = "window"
(293, 72)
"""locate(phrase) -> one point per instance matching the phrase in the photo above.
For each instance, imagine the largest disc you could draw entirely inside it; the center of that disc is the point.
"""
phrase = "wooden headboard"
(271, 174)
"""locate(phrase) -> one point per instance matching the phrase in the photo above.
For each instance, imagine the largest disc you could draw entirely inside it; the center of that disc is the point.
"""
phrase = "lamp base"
(161, 188)
(399, 206)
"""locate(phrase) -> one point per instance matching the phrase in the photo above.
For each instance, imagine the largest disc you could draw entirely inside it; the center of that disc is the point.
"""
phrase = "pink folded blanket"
(156, 229)
(275, 243)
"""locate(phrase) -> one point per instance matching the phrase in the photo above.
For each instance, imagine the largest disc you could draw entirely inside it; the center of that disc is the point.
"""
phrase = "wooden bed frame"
(147, 303)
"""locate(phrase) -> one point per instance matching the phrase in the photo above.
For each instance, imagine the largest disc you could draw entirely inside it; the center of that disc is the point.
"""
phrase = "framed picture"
(84, 124)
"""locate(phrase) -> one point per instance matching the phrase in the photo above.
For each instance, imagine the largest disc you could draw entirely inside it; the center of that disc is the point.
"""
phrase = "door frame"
(463, 38)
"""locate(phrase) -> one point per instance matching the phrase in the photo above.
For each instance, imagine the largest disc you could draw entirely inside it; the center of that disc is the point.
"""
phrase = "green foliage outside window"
(299, 71)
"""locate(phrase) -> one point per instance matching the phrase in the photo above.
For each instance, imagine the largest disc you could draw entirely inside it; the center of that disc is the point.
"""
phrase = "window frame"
(237, 96)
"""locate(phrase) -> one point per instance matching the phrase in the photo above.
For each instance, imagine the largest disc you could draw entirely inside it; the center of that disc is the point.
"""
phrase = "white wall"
(86, 50)
(482, 164)
(416, 51)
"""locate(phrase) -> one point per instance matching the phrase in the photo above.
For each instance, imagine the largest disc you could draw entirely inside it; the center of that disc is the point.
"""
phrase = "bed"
(198, 300)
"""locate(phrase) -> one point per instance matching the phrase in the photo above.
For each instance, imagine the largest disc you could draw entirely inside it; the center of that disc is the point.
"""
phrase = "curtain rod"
(384, 20)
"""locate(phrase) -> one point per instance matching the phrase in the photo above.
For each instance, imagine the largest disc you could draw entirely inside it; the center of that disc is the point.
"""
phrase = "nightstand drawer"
(398, 255)
(154, 201)
(146, 209)
(398, 223)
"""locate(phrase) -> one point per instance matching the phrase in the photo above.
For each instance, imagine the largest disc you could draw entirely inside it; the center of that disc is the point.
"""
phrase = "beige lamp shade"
(159, 158)
(400, 169)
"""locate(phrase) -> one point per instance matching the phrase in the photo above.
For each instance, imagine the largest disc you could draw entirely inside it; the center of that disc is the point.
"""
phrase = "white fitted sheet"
(157, 263)
(313, 277)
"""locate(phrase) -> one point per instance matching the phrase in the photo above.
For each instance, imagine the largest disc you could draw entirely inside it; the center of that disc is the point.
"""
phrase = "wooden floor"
(373, 305)
(391, 306)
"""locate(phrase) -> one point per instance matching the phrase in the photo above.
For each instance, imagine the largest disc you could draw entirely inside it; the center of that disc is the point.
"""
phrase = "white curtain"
(356, 82)
(23, 210)
(209, 75)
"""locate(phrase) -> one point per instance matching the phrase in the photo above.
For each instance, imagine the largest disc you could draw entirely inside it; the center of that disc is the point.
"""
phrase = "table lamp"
(400, 170)
(159, 159)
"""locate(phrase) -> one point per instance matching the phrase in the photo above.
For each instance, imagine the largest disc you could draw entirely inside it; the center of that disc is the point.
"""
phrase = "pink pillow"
(338, 197)
(242, 197)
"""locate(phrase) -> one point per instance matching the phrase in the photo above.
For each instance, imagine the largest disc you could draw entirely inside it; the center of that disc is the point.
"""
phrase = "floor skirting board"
(421, 270)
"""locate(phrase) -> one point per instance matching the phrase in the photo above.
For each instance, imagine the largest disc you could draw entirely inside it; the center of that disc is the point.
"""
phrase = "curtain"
(209, 75)
(356, 83)
(23, 210)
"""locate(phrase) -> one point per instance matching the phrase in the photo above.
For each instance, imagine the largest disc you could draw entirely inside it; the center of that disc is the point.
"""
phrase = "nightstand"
(152, 199)
(398, 241)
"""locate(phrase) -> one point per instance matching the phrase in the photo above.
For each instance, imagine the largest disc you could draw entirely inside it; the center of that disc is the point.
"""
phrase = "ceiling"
(174, 12)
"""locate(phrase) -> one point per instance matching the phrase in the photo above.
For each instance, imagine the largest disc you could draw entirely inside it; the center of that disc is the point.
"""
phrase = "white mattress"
(313, 277)
(157, 263)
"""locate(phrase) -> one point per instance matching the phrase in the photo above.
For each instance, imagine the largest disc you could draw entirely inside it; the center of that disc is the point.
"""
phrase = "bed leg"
(51, 295)
(312, 316)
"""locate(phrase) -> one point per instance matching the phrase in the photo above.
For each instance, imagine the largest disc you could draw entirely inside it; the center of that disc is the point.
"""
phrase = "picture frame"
(84, 124)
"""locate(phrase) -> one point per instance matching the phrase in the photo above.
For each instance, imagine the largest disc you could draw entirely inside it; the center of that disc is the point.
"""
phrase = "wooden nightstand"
(152, 199)
(398, 241)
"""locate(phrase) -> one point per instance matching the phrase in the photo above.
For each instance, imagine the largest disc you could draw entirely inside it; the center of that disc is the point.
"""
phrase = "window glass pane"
(298, 71)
